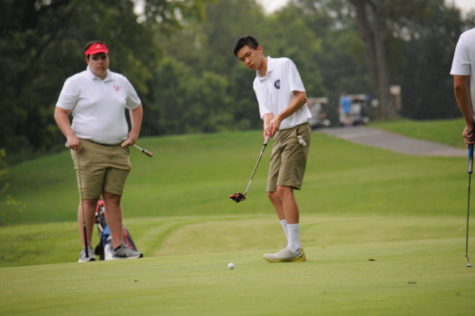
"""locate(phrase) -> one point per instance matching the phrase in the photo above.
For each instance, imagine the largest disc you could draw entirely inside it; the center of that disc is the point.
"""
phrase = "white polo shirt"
(463, 63)
(274, 91)
(98, 106)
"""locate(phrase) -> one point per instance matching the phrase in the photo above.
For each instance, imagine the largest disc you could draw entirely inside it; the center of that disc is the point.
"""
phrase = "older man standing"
(99, 138)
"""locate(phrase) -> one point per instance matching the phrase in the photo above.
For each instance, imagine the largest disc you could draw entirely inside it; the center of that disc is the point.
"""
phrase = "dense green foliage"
(178, 54)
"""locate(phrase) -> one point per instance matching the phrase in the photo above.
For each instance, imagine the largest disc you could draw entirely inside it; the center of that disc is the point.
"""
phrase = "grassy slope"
(192, 175)
(358, 203)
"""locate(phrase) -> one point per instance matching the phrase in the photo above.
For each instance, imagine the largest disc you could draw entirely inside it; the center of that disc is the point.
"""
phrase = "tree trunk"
(370, 17)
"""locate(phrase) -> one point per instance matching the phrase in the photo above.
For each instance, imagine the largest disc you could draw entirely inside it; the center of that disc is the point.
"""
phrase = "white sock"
(293, 231)
(283, 223)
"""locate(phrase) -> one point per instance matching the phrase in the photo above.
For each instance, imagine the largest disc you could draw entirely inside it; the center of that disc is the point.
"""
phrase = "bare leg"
(279, 210)
(89, 210)
(277, 202)
(114, 217)
(289, 204)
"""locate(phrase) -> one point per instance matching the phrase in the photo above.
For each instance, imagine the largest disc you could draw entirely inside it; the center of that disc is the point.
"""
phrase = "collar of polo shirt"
(94, 77)
(270, 68)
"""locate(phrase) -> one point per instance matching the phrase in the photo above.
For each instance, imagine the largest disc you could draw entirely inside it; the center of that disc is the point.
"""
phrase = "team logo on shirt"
(116, 87)
(277, 84)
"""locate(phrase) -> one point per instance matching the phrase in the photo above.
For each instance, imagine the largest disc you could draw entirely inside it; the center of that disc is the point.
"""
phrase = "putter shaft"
(84, 229)
(257, 164)
(469, 172)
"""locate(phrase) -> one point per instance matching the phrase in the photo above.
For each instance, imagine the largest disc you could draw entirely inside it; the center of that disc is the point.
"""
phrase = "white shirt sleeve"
(133, 99)
(69, 95)
(461, 64)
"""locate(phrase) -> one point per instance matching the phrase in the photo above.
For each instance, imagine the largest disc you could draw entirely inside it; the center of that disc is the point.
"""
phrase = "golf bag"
(104, 247)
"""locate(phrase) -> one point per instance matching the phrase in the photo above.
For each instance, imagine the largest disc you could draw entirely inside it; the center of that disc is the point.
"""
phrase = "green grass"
(405, 213)
(58, 242)
(443, 131)
(357, 266)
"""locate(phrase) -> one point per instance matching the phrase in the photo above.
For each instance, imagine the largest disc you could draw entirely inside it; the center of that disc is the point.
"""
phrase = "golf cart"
(317, 107)
(358, 111)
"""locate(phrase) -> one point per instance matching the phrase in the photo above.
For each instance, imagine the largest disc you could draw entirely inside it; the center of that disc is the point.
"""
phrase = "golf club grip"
(470, 159)
(145, 151)
(266, 140)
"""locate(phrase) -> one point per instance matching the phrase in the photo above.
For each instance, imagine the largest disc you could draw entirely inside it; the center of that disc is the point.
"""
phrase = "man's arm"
(299, 99)
(136, 116)
(462, 96)
(61, 116)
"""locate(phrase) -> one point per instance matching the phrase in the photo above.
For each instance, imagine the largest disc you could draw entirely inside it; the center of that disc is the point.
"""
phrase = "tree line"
(178, 55)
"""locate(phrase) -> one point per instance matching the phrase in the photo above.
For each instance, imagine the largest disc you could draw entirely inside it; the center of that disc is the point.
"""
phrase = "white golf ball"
(230, 266)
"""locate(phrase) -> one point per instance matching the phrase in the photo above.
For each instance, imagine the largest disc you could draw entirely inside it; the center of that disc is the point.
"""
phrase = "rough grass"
(193, 175)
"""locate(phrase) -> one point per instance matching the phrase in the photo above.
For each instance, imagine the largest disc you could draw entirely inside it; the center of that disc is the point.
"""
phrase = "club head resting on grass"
(237, 197)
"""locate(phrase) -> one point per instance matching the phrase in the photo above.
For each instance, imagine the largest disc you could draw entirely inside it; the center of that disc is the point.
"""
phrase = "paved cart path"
(393, 142)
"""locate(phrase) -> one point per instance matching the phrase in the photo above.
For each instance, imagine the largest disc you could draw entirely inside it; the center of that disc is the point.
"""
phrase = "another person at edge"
(281, 97)
(463, 65)
(345, 108)
(99, 138)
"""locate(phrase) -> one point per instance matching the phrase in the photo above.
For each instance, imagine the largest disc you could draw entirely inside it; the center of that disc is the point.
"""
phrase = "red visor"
(96, 49)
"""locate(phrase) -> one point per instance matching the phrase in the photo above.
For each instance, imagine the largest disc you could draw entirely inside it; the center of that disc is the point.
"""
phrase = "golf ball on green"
(230, 265)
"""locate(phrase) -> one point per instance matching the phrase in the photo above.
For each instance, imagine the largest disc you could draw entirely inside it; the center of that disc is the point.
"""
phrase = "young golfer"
(99, 140)
(281, 97)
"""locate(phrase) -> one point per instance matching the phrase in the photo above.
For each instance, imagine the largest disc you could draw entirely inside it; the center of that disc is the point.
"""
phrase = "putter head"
(237, 197)
(469, 265)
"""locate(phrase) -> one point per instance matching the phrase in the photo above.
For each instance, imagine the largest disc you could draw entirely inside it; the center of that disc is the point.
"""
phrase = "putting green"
(357, 266)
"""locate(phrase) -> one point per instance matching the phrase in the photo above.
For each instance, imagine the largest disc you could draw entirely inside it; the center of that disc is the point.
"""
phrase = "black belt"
(109, 145)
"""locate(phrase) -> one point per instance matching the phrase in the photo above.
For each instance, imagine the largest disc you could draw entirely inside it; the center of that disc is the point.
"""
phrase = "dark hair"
(243, 41)
(91, 43)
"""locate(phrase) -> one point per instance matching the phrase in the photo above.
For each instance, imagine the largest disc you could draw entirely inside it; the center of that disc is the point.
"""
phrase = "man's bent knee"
(88, 203)
(283, 191)
(274, 195)
(111, 198)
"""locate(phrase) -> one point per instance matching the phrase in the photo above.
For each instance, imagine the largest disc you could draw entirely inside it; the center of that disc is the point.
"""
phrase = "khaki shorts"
(289, 157)
(100, 168)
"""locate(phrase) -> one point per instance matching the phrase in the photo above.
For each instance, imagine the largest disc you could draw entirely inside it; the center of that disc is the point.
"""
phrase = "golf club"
(238, 196)
(145, 151)
(86, 248)
(469, 172)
